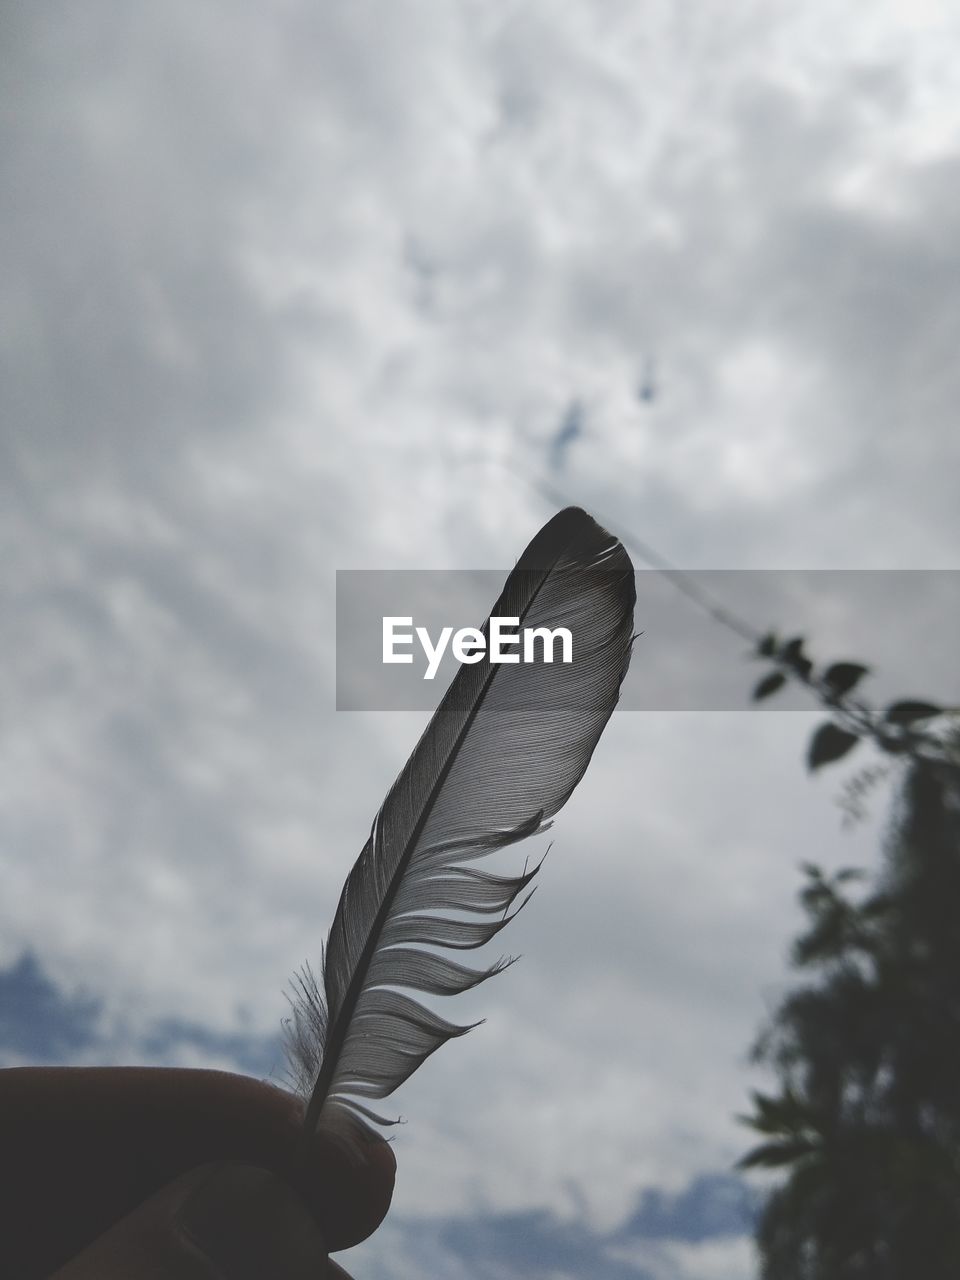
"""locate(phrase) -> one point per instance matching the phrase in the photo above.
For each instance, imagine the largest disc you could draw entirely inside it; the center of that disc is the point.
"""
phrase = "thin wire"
(860, 718)
(684, 582)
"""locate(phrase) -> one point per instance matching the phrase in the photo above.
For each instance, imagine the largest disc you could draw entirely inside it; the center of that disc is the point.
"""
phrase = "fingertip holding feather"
(501, 756)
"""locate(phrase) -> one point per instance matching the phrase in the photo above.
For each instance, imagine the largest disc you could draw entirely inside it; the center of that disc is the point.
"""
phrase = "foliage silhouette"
(866, 1049)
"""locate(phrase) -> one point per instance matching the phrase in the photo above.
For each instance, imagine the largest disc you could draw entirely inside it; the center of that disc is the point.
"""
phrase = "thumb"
(218, 1222)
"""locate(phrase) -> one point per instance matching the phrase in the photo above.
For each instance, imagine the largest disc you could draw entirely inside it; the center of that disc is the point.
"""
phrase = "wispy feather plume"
(502, 754)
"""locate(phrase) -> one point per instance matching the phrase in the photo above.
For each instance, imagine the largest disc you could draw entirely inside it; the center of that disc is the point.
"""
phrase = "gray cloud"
(313, 289)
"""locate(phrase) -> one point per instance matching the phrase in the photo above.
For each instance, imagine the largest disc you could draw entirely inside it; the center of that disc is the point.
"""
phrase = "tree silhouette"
(866, 1049)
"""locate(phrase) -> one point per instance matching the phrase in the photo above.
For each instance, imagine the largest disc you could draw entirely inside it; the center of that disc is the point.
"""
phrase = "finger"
(221, 1222)
(84, 1146)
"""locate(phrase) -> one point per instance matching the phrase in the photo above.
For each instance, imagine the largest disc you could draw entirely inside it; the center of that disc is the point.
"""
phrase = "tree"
(866, 1049)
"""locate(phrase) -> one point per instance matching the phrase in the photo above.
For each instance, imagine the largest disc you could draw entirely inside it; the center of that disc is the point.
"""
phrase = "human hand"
(174, 1175)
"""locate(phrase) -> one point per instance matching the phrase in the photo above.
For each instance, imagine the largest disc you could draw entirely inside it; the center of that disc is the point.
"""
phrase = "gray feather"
(502, 754)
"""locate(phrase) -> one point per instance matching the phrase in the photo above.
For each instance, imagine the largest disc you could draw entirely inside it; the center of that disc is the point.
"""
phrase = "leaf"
(909, 710)
(829, 743)
(846, 874)
(879, 905)
(841, 677)
(769, 684)
(785, 1113)
(767, 646)
(792, 650)
(772, 1155)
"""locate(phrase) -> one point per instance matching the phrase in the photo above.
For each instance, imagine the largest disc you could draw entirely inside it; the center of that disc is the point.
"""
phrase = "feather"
(502, 754)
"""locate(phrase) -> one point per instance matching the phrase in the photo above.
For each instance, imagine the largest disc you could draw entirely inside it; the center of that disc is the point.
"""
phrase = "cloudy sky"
(313, 286)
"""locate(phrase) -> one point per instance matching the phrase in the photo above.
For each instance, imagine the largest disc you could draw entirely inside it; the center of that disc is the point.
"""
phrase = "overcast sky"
(301, 287)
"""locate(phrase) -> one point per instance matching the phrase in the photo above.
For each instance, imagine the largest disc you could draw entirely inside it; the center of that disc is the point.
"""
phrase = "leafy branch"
(902, 728)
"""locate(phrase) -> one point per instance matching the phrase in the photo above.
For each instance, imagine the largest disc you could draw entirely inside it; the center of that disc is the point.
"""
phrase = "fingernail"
(249, 1224)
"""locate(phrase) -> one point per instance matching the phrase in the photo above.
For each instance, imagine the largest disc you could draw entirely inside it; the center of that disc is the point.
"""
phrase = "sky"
(301, 288)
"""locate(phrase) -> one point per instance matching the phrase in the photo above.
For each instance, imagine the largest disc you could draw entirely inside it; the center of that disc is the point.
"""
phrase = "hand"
(177, 1175)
